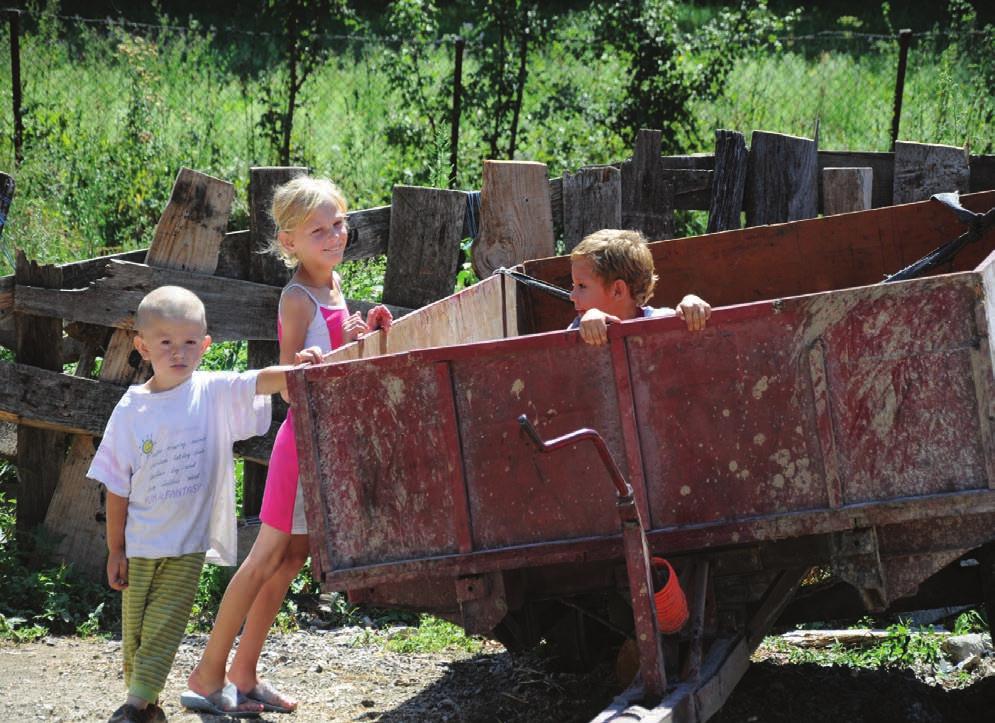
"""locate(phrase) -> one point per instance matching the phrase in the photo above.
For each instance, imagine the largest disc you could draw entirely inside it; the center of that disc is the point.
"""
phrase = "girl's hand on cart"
(379, 317)
(353, 328)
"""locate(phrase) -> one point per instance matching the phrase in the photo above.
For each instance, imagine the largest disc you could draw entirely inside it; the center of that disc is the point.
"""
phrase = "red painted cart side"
(785, 418)
(822, 421)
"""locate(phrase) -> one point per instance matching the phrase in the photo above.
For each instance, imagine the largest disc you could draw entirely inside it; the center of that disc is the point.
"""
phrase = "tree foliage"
(302, 27)
(668, 68)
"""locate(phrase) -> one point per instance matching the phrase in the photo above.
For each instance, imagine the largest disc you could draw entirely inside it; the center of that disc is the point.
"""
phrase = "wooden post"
(6, 198)
(264, 267)
(924, 169)
(8, 431)
(904, 39)
(782, 179)
(729, 181)
(457, 107)
(14, 20)
(845, 190)
(647, 196)
(39, 451)
(516, 217)
(426, 227)
(592, 200)
(187, 237)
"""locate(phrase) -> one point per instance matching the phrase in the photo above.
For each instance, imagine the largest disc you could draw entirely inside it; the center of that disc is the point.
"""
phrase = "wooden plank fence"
(75, 312)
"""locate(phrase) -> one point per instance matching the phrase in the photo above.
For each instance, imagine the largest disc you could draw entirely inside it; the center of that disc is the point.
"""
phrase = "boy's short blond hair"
(170, 303)
(294, 201)
(620, 254)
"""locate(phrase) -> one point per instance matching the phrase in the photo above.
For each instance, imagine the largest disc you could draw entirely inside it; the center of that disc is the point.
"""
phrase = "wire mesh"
(112, 109)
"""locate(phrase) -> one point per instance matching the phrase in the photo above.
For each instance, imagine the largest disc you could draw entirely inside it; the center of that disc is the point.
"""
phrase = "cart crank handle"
(580, 435)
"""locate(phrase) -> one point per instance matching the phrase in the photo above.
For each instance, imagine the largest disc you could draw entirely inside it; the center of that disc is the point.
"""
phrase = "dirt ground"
(339, 678)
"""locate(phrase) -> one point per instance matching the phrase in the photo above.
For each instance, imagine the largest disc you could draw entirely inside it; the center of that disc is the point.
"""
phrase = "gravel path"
(339, 675)
(334, 675)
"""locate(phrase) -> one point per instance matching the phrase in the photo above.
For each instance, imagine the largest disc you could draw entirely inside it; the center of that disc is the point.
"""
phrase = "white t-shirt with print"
(170, 454)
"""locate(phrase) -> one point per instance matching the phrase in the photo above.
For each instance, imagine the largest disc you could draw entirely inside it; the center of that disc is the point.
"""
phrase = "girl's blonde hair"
(294, 201)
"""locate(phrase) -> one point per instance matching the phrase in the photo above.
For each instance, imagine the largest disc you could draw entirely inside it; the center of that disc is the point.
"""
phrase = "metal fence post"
(904, 39)
(457, 103)
(14, 19)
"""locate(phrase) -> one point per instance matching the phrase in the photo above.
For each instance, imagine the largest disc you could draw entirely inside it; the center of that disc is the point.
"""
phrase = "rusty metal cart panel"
(820, 419)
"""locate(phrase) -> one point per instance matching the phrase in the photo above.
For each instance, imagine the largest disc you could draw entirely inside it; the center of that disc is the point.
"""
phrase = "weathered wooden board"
(881, 163)
(729, 182)
(691, 162)
(592, 200)
(845, 190)
(368, 233)
(426, 227)
(235, 309)
(691, 177)
(8, 441)
(482, 312)
(923, 169)
(233, 257)
(647, 193)
(44, 399)
(6, 282)
(39, 452)
(267, 268)
(782, 179)
(516, 218)
(982, 173)
(7, 302)
(189, 233)
(187, 238)
(6, 197)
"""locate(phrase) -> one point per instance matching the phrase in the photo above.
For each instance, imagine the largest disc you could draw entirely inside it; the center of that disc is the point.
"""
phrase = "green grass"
(110, 116)
(430, 635)
(904, 646)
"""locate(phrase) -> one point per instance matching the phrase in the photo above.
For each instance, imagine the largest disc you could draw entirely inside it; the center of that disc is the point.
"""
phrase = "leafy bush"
(669, 69)
(970, 621)
(41, 597)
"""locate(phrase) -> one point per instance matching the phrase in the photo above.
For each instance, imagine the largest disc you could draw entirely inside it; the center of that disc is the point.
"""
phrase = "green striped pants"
(155, 608)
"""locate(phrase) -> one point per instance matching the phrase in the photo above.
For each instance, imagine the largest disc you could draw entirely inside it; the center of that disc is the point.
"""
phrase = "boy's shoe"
(128, 713)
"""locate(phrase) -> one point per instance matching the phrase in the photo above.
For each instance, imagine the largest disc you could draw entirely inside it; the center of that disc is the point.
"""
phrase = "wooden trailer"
(822, 419)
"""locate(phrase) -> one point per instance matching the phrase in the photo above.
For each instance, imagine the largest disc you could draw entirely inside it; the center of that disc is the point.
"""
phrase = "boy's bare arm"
(273, 380)
(117, 561)
(594, 326)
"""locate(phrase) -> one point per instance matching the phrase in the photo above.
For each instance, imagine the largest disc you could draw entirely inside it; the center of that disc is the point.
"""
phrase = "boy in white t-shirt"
(166, 461)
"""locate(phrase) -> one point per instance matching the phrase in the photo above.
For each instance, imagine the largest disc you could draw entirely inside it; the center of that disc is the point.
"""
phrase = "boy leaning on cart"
(613, 278)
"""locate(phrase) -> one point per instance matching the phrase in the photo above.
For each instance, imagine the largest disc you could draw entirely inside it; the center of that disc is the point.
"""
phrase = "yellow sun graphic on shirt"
(147, 446)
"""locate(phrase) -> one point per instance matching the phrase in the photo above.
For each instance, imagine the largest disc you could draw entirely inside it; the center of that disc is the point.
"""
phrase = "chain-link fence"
(111, 109)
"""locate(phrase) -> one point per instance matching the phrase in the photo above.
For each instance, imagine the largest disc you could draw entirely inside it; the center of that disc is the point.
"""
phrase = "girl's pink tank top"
(325, 329)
